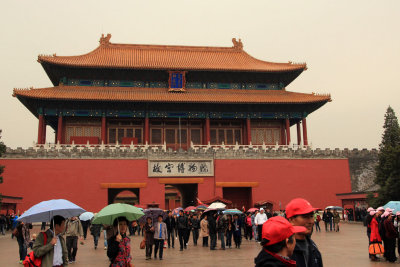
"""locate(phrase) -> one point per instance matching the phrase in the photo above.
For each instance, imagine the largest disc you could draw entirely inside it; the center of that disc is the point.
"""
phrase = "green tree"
(388, 169)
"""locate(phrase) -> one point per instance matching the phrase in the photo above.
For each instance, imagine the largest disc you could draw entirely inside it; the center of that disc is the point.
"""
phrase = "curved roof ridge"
(172, 47)
(277, 63)
(142, 56)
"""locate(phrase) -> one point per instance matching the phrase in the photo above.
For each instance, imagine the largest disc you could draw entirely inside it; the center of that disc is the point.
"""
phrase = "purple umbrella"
(153, 213)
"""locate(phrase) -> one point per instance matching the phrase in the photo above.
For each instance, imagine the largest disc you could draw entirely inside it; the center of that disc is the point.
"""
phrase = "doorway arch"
(124, 195)
(188, 193)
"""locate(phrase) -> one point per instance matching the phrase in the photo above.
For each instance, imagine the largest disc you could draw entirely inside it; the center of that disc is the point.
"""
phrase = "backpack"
(15, 232)
(318, 218)
(31, 260)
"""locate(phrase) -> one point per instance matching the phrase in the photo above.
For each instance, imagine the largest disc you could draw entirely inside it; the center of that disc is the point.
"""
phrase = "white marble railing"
(163, 147)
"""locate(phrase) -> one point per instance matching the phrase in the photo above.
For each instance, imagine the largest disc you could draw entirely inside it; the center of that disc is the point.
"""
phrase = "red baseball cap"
(298, 206)
(278, 229)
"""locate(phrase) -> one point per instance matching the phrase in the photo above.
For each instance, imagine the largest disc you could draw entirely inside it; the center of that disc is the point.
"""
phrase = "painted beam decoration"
(180, 168)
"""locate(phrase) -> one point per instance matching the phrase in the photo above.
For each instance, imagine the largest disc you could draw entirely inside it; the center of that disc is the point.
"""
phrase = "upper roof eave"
(169, 57)
(129, 94)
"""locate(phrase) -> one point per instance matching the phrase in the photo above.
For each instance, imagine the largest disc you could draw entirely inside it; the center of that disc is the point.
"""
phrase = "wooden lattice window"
(88, 131)
(156, 136)
(118, 133)
(227, 136)
(195, 136)
(269, 136)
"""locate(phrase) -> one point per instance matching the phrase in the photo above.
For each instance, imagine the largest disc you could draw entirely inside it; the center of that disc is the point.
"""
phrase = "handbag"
(143, 243)
(376, 248)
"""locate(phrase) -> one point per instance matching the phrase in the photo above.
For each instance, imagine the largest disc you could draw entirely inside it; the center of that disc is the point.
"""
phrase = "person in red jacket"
(391, 235)
(374, 237)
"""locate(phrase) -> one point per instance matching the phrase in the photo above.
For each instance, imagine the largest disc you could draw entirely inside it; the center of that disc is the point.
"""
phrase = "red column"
(305, 132)
(298, 133)
(103, 130)
(207, 131)
(60, 129)
(40, 130)
(44, 131)
(287, 132)
(146, 130)
(248, 130)
(283, 136)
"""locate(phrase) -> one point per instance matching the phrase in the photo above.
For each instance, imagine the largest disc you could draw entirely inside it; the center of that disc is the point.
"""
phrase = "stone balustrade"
(195, 151)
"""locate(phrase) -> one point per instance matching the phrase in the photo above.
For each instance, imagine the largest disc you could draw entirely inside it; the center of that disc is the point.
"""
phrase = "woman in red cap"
(391, 235)
(278, 243)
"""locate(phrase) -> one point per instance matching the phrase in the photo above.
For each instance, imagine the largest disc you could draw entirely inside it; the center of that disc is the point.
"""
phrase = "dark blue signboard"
(176, 80)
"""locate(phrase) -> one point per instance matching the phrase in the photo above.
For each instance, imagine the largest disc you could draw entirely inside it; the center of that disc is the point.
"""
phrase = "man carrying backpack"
(54, 251)
(73, 231)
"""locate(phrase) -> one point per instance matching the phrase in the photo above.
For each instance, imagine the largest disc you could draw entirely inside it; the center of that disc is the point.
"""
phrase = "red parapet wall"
(79, 180)
(280, 180)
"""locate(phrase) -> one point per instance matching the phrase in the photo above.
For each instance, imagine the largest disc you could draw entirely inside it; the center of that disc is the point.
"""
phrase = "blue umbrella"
(45, 210)
(393, 205)
(232, 211)
(86, 216)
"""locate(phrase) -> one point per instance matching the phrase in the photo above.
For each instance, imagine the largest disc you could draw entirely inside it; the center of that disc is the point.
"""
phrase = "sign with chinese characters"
(174, 168)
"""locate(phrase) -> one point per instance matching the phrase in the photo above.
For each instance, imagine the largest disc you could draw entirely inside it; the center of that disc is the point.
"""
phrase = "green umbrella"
(108, 214)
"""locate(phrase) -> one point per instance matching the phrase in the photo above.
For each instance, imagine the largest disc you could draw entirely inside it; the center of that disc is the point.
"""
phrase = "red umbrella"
(190, 208)
(252, 210)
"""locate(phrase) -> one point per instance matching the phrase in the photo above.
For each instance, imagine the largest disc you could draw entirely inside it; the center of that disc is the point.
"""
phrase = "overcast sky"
(352, 50)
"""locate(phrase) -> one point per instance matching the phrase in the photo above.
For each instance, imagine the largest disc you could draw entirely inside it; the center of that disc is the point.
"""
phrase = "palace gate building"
(168, 125)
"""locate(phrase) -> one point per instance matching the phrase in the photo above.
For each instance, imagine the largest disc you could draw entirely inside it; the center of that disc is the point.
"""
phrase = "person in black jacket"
(300, 213)
(3, 224)
(195, 228)
(329, 218)
(85, 227)
(119, 248)
(95, 230)
(237, 230)
(212, 227)
(171, 225)
(221, 228)
(182, 224)
(278, 243)
(188, 228)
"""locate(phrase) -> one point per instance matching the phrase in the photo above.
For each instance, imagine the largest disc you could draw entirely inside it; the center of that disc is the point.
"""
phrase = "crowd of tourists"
(285, 237)
(330, 218)
(58, 245)
(383, 226)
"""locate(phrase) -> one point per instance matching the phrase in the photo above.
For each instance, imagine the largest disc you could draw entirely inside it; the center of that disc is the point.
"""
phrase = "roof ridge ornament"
(237, 44)
(105, 40)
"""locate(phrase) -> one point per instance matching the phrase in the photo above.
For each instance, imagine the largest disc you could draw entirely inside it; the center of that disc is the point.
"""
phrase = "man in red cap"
(278, 243)
(300, 213)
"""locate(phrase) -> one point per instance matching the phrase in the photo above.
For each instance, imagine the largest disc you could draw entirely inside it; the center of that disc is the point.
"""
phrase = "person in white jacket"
(259, 220)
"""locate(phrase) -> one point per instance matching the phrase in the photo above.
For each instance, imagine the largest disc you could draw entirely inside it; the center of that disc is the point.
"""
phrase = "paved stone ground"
(345, 248)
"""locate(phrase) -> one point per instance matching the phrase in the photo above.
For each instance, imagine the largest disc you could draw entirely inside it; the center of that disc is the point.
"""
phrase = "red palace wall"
(78, 180)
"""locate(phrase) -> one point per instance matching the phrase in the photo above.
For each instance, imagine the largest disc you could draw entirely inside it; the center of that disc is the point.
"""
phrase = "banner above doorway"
(176, 168)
